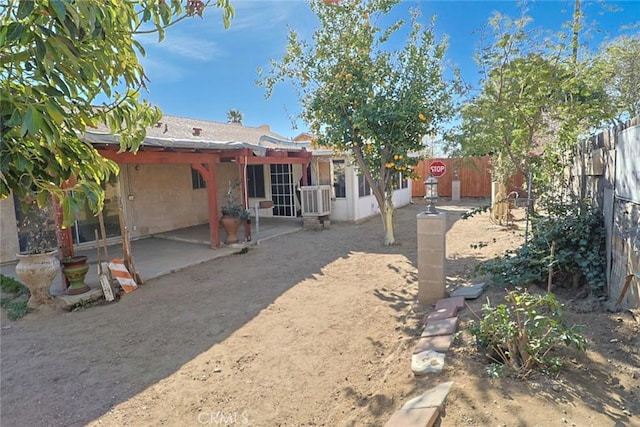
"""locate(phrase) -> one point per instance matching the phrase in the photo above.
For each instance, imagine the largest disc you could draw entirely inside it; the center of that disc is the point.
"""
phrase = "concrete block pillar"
(432, 229)
(455, 190)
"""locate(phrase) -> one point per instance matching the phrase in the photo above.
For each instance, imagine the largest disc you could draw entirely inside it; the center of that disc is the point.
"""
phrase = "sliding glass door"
(87, 222)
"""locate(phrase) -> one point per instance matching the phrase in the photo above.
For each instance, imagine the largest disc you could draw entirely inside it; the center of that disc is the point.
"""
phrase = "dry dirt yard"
(309, 329)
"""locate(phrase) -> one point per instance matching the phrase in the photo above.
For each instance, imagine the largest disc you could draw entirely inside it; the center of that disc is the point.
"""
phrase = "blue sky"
(202, 70)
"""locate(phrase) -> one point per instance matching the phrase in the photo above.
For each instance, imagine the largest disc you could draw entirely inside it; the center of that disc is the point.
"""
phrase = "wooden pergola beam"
(158, 157)
(204, 161)
(277, 160)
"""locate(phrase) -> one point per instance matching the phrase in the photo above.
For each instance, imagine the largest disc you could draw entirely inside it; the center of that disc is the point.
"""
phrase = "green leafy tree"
(536, 100)
(621, 62)
(58, 58)
(361, 97)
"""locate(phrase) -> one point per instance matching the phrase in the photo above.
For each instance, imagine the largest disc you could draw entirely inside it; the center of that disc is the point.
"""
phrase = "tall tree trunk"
(577, 14)
(382, 197)
(386, 211)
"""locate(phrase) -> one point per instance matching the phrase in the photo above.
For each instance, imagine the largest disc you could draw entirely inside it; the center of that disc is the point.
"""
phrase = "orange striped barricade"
(122, 275)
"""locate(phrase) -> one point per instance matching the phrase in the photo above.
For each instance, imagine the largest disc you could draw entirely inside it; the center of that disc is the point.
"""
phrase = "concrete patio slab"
(442, 313)
(421, 417)
(470, 292)
(165, 254)
(457, 302)
(441, 327)
(67, 302)
(438, 343)
(432, 398)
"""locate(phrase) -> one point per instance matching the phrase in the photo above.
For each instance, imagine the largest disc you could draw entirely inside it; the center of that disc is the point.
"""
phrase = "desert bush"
(519, 335)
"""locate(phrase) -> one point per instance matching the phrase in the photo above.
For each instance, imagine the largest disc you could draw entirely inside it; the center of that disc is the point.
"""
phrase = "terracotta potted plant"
(75, 269)
(37, 262)
(233, 214)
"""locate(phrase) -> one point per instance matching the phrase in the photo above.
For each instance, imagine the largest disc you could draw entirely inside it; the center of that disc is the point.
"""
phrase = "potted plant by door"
(37, 263)
(233, 214)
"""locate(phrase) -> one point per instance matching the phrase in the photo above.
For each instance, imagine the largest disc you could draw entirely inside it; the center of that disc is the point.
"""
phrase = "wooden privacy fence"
(473, 173)
(606, 170)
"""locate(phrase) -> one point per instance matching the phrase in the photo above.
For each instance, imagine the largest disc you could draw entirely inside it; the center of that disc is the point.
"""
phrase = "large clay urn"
(37, 272)
(231, 224)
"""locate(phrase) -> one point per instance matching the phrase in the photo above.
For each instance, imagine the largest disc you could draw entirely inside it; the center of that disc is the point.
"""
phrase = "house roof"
(180, 132)
(183, 128)
(317, 150)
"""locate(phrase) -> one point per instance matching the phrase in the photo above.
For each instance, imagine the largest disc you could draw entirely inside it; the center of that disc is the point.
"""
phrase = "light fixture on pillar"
(431, 194)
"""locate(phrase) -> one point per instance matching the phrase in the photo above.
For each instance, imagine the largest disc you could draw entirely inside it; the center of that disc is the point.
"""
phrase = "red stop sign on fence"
(437, 168)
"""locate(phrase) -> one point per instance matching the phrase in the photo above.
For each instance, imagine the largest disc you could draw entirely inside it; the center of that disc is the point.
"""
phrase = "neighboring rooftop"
(172, 131)
(185, 128)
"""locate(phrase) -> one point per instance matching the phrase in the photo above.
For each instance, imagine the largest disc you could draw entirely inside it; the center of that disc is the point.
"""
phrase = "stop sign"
(437, 168)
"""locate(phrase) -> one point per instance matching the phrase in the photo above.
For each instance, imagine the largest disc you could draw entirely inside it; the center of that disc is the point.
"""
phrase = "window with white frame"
(339, 179)
(399, 181)
(364, 189)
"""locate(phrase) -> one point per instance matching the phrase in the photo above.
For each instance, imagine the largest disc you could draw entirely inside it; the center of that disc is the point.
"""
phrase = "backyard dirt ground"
(308, 329)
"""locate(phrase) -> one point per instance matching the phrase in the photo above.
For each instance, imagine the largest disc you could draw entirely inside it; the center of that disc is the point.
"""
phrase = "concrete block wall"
(431, 257)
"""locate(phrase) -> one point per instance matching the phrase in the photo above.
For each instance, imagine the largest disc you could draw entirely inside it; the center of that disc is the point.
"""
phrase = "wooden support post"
(103, 231)
(64, 237)
(305, 171)
(208, 173)
(243, 195)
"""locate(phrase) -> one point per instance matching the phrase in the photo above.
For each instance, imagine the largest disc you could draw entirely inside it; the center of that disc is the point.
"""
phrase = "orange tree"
(365, 93)
(57, 59)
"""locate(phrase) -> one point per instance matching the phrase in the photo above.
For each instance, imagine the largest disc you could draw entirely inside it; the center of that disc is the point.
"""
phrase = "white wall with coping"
(9, 245)
(354, 208)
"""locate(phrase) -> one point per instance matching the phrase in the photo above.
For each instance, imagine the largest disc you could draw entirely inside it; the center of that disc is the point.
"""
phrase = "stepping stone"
(470, 292)
(442, 313)
(420, 417)
(432, 398)
(67, 302)
(427, 361)
(457, 302)
(439, 343)
(441, 327)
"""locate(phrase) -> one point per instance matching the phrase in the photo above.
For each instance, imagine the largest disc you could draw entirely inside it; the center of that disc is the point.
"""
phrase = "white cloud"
(161, 71)
(184, 45)
(264, 15)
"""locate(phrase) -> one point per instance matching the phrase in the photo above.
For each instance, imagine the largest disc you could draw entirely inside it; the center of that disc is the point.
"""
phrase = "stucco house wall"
(164, 198)
(159, 198)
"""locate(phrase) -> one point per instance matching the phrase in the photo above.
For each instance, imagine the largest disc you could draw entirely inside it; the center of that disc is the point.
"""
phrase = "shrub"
(578, 232)
(12, 286)
(16, 308)
(519, 335)
(14, 302)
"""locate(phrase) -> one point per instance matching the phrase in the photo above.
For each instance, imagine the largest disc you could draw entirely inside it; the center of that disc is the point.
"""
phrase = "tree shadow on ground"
(54, 362)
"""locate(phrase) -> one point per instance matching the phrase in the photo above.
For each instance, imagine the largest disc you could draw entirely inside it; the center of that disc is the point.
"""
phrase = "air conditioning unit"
(316, 200)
